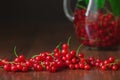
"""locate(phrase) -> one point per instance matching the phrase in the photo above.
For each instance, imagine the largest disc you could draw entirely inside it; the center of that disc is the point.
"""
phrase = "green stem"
(80, 6)
(79, 49)
(35, 56)
(68, 42)
(15, 52)
(58, 46)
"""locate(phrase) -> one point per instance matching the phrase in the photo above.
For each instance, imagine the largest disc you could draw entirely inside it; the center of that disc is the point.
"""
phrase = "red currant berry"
(77, 66)
(103, 67)
(39, 67)
(14, 68)
(71, 66)
(19, 67)
(73, 53)
(111, 59)
(53, 69)
(81, 55)
(7, 67)
(65, 46)
(49, 58)
(57, 55)
(87, 67)
(22, 58)
(106, 62)
(81, 65)
(28, 64)
(56, 50)
(115, 67)
(17, 59)
(68, 56)
(64, 52)
(38, 58)
(24, 69)
(74, 60)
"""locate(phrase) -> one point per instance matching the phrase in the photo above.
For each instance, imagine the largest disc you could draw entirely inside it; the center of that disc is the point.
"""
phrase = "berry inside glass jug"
(97, 24)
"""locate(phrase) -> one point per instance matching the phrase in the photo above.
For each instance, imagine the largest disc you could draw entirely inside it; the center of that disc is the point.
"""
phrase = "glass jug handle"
(67, 10)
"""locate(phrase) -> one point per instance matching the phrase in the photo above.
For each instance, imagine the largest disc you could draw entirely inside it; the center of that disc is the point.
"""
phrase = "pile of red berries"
(98, 29)
(61, 58)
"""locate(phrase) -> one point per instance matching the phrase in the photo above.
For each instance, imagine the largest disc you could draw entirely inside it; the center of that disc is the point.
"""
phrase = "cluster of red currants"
(60, 58)
(98, 29)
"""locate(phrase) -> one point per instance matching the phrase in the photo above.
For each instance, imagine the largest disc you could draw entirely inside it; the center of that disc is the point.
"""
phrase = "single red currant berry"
(68, 56)
(81, 55)
(56, 50)
(65, 46)
(74, 60)
(101, 64)
(64, 58)
(71, 66)
(22, 58)
(68, 62)
(28, 64)
(38, 58)
(77, 66)
(54, 64)
(14, 68)
(48, 68)
(39, 68)
(103, 67)
(47, 63)
(87, 67)
(81, 65)
(97, 64)
(7, 67)
(43, 55)
(24, 68)
(53, 69)
(49, 58)
(91, 58)
(61, 64)
(19, 67)
(106, 62)
(35, 66)
(73, 53)
(115, 67)
(64, 52)
(82, 60)
(98, 60)
(111, 59)
(58, 55)
(17, 60)
(92, 63)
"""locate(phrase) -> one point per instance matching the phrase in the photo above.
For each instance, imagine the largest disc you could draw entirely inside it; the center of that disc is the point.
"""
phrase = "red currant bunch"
(98, 29)
(61, 58)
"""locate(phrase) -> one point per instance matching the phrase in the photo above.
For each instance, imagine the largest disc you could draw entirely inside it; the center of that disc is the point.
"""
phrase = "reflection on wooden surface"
(62, 75)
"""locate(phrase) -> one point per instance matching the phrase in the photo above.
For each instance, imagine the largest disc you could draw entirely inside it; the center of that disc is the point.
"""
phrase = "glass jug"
(96, 22)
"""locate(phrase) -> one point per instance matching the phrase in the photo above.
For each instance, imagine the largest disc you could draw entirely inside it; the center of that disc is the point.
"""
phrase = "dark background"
(17, 12)
(33, 26)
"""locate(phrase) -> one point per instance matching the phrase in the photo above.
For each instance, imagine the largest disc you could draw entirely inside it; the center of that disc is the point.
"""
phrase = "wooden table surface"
(34, 40)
